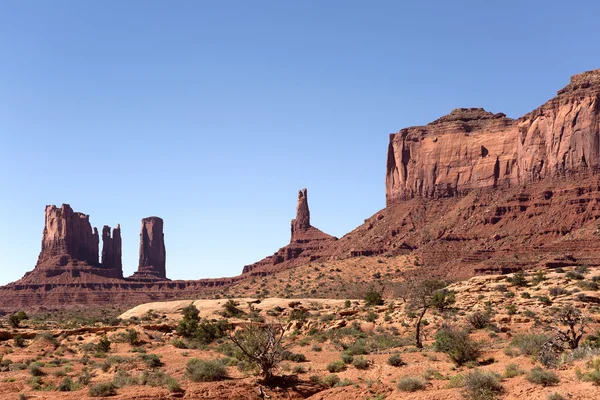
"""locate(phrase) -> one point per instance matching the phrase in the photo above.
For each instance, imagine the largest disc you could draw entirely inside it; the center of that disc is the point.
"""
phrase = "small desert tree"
(15, 319)
(423, 296)
(568, 323)
(261, 344)
(189, 323)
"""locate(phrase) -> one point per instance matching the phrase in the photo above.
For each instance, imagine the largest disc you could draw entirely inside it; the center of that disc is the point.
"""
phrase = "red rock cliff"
(67, 234)
(111, 249)
(153, 255)
(472, 148)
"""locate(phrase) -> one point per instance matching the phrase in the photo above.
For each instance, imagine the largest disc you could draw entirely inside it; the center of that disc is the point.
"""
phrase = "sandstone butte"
(471, 193)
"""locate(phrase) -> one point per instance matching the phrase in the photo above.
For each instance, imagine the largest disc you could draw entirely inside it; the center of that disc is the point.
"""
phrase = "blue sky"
(212, 115)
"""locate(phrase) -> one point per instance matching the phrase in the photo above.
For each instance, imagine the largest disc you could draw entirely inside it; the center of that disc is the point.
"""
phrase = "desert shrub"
(298, 369)
(557, 291)
(373, 298)
(336, 366)
(545, 300)
(371, 317)
(411, 384)
(19, 340)
(358, 348)
(189, 323)
(360, 363)
(35, 370)
(479, 320)
(15, 319)
(575, 275)
(512, 370)
(151, 360)
(347, 358)
(299, 314)
(457, 344)
(205, 370)
(529, 344)
(511, 309)
(480, 385)
(132, 337)
(295, 357)
(102, 389)
(103, 346)
(587, 285)
(501, 288)
(555, 396)
(66, 385)
(510, 351)
(443, 299)
(123, 379)
(231, 310)
(330, 380)
(518, 279)
(592, 376)
(525, 295)
(395, 361)
(542, 377)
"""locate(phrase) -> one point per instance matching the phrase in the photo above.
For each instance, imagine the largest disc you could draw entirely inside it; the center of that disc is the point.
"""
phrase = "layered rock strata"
(153, 255)
(67, 235)
(471, 148)
(111, 249)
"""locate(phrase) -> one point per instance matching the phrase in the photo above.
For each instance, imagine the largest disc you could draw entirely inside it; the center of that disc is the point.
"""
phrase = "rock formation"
(111, 249)
(67, 235)
(471, 148)
(153, 255)
(443, 208)
(306, 244)
(302, 220)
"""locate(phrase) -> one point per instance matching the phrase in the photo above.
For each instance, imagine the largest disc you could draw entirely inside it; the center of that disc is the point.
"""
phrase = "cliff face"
(111, 249)
(471, 148)
(67, 234)
(153, 255)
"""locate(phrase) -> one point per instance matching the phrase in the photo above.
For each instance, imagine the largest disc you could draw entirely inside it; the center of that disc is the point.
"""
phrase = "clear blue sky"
(212, 114)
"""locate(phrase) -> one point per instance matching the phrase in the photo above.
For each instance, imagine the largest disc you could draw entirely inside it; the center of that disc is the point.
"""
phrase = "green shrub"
(205, 371)
(336, 366)
(512, 370)
(66, 385)
(529, 344)
(19, 340)
(103, 346)
(542, 377)
(373, 298)
(295, 357)
(443, 299)
(330, 380)
(518, 279)
(411, 384)
(480, 385)
(457, 345)
(575, 275)
(395, 361)
(15, 319)
(35, 370)
(151, 360)
(347, 358)
(188, 325)
(555, 396)
(102, 389)
(479, 320)
(360, 363)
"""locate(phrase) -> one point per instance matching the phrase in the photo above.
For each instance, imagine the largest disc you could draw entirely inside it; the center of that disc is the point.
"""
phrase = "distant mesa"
(306, 244)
